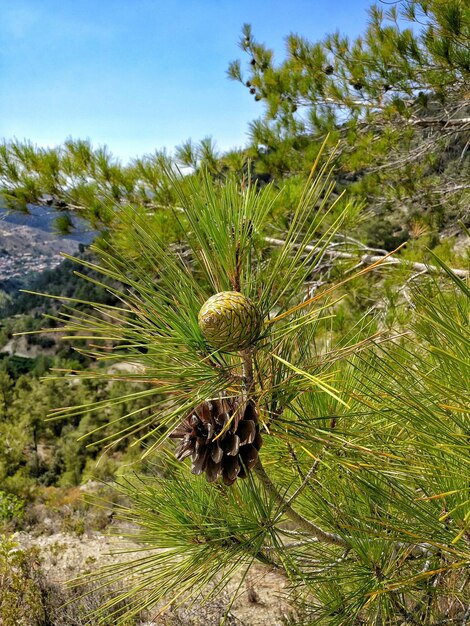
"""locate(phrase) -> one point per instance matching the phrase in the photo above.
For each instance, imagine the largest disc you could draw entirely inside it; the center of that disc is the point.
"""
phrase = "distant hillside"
(24, 312)
(61, 281)
(29, 243)
(43, 218)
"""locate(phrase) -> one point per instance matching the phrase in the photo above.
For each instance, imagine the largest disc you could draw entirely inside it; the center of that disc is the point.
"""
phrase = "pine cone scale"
(246, 431)
(216, 453)
(231, 469)
(185, 450)
(249, 455)
(213, 470)
(222, 438)
(199, 461)
(231, 445)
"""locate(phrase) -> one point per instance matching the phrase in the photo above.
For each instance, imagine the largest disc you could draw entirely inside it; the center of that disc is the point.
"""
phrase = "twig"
(422, 549)
(297, 466)
(303, 523)
(310, 527)
(293, 544)
(247, 369)
(464, 121)
(304, 483)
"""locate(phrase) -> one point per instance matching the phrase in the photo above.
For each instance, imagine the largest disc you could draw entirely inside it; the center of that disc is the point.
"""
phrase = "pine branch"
(422, 549)
(310, 527)
(426, 122)
(305, 524)
(368, 258)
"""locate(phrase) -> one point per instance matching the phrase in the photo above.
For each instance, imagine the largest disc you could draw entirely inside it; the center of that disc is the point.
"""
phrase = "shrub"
(28, 598)
(11, 507)
(22, 597)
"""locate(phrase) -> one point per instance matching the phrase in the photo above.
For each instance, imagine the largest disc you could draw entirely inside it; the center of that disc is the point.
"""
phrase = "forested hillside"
(269, 353)
(35, 452)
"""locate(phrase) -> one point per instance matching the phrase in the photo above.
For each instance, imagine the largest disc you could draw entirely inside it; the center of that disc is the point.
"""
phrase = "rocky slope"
(259, 597)
(30, 243)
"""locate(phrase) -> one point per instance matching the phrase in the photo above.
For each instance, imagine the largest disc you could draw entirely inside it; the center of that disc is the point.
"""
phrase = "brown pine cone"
(229, 453)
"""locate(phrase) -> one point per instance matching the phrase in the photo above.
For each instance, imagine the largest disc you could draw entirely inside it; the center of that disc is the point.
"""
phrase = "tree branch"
(441, 122)
(372, 258)
(310, 527)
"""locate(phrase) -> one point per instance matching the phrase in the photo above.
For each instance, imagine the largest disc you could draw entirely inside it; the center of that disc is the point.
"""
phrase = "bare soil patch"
(259, 602)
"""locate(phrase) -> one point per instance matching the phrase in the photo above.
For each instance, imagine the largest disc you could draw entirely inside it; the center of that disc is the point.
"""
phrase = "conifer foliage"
(397, 97)
(330, 448)
(359, 493)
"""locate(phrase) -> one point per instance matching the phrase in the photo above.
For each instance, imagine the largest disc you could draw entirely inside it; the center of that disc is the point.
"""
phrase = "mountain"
(29, 242)
(43, 218)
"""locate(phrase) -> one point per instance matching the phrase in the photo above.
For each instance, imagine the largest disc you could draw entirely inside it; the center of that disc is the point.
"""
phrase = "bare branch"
(373, 258)
(441, 122)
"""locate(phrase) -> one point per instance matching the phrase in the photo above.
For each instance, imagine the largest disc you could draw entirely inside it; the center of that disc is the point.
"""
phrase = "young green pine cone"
(222, 438)
(230, 321)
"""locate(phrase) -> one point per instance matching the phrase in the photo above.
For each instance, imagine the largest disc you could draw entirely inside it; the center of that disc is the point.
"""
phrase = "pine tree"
(78, 180)
(396, 98)
(359, 493)
(330, 447)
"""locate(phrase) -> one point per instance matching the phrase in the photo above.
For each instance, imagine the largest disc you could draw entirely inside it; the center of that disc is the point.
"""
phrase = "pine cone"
(229, 454)
(229, 321)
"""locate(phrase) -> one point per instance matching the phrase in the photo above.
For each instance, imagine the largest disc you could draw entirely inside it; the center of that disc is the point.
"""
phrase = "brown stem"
(422, 549)
(315, 531)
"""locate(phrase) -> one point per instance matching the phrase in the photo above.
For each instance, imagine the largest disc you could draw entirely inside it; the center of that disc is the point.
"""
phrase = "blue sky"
(141, 75)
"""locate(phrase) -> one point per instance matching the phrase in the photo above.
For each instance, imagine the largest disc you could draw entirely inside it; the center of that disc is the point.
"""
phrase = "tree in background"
(397, 100)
